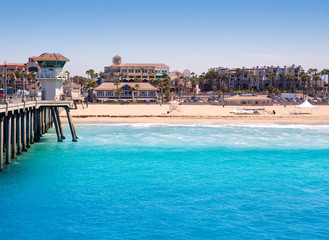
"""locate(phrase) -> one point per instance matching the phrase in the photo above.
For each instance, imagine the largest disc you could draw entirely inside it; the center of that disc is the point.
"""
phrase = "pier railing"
(24, 123)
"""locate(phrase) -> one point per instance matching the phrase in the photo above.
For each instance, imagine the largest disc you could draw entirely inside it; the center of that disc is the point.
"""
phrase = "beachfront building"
(257, 78)
(130, 72)
(15, 71)
(108, 91)
(51, 76)
(249, 99)
(181, 80)
(72, 90)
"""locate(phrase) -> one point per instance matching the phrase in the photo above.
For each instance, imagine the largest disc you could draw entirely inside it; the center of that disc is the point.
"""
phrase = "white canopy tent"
(305, 105)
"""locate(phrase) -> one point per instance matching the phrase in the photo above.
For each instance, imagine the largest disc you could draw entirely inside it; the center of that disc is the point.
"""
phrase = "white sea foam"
(211, 125)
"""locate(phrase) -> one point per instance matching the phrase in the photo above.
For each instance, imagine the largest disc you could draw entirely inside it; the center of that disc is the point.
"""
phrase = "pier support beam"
(27, 128)
(59, 123)
(18, 133)
(31, 126)
(1, 142)
(13, 135)
(23, 131)
(74, 137)
(8, 138)
(59, 139)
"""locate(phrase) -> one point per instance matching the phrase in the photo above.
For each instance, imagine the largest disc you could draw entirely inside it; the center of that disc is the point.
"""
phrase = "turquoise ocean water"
(158, 181)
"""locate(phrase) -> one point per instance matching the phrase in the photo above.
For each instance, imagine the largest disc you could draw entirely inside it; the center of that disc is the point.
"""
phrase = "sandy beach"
(104, 113)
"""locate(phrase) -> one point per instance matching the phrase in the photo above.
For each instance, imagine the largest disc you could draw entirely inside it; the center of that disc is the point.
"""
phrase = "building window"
(109, 94)
(100, 94)
(151, 94)
(131, 70)
(143, 94)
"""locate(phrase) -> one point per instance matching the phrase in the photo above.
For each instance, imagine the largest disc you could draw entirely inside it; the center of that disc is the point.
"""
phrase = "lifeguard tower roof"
(54, 60)
(51, 57)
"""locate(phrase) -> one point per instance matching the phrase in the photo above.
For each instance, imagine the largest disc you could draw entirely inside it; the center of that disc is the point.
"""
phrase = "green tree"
(270, 89)
(117, 83)
(277, 91)
(271, 76)
(194, 81)
(223, 88)
(119, 93)
(91, 73)
(137, 87)
(132, 89)
(213, 88)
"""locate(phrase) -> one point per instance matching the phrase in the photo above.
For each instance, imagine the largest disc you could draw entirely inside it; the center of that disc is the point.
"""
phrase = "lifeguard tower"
(51, 76)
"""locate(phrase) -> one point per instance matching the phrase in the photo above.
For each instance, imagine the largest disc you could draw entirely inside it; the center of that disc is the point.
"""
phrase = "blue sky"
(182, 34)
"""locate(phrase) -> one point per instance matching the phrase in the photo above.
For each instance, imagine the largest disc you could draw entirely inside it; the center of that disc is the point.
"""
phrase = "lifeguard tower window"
(57, 64)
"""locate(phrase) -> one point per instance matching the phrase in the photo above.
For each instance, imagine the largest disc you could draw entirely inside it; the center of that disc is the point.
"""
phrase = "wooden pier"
(24, 123)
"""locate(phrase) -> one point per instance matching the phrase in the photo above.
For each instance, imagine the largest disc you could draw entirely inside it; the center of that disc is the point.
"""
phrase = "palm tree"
(213, 88)
(119, 93)
(132, 92)
(238, 73)
(315, 77)
(194, 81)
(223, 88)
(160, 84)
(137, 87)
(271, 76)
(117, 83)
(284, 80)
(305, 79)
(91, 73)
(166, 85)
(152, 79)
(212, 76)
(185, 80)
(121, 75)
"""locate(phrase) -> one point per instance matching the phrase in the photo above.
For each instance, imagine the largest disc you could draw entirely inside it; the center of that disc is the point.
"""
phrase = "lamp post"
(23, 70)
(5, 87)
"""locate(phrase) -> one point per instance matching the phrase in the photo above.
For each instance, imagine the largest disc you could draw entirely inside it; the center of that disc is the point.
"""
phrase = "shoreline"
(195, 119)
(193, 114)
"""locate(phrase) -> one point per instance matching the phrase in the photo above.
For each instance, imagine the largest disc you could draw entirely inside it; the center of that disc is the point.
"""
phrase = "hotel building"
(145, 72)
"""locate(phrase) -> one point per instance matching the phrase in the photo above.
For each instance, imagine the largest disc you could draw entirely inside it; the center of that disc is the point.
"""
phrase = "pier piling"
(13, 135)
(8, 138)
(74, 137)
(59, 139)
(59, 123)
(1, 142)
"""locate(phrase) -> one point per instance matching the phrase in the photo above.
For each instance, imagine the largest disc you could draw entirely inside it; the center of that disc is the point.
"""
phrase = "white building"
(51, 76)
(258, 77)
